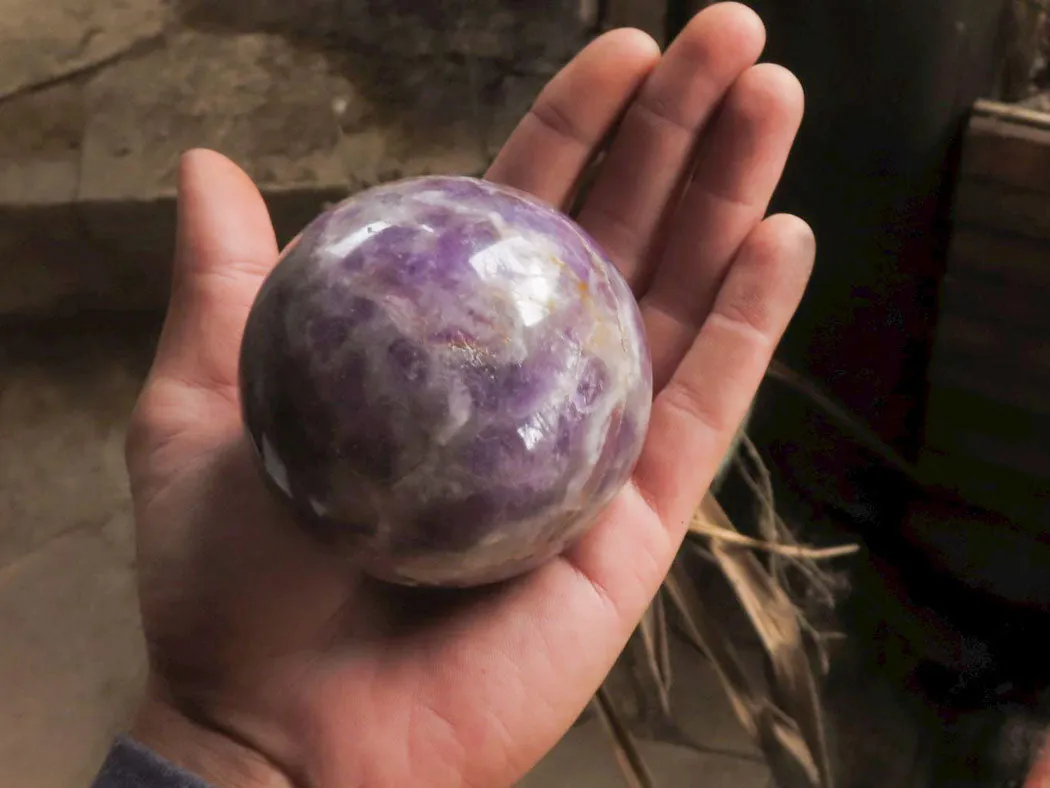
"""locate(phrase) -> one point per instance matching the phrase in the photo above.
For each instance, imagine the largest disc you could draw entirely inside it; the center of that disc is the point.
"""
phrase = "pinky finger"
(696, 415)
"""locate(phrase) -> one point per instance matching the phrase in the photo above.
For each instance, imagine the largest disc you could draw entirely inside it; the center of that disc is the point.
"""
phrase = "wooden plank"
(1007, 380)
(1009, 352)
(1023, 499)
(1023, 458)
(990, 342)
(1012, 112)
(1007, 152)
(984, 548)
(981, 252)
(978, 379)
(985, 203)
(994, 433)
(996, 301)
(998, 361)
(972, 411)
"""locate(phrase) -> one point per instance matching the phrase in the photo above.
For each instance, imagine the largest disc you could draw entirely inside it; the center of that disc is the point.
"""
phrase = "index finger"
(570, 120)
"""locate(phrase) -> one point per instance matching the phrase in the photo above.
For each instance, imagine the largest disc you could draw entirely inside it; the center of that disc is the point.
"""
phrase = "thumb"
(225, 247)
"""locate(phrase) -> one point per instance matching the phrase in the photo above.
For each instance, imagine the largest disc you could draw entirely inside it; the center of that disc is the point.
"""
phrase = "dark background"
(889, 84)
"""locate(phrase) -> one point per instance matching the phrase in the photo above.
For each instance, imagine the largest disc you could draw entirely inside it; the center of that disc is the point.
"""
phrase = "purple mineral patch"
(448, 378)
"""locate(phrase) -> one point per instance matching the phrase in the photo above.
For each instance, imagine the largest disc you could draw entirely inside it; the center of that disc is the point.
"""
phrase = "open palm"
(293, 671)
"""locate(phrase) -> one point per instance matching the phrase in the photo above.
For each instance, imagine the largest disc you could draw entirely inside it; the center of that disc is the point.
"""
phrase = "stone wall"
(524, 33)
(314, 98)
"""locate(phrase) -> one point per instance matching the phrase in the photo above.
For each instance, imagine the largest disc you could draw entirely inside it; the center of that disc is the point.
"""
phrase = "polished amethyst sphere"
(448, 379)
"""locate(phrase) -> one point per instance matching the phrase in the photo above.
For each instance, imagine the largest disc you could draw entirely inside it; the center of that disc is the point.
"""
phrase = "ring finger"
(655, 143)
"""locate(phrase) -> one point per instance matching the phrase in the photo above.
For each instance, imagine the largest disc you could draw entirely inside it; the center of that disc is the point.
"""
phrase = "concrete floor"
(71, 657)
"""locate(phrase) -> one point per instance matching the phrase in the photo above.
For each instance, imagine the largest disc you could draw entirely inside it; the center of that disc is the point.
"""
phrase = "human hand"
(272, 664)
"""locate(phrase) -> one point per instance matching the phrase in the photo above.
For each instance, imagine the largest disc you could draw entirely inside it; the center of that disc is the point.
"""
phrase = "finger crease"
(736, 321)
(600, 591)
(554, 119)
(615, 220)
(722, 196)
(633, 246)
(646, 497)
(654, 109)
(683, 398)
(673, 308)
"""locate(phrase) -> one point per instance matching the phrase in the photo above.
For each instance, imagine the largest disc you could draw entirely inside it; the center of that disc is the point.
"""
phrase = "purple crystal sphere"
(448, 379)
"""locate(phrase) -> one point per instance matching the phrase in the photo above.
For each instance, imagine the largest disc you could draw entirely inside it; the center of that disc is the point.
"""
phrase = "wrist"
(213, 756)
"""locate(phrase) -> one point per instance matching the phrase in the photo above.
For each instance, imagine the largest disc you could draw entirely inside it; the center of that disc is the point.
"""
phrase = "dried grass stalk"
(783, 714)
(632, 765)
(785, 748)
(703, 528)
(657, 652)
(776, 621)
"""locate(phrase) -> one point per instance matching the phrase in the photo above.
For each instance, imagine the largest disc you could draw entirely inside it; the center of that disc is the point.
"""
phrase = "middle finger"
(741, 161)
(654, 145)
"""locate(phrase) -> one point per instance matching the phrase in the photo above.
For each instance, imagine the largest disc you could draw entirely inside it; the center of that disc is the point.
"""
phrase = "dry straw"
(782, 713)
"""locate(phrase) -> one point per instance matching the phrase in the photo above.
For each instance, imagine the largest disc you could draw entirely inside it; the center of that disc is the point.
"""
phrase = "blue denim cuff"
(130, 765)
